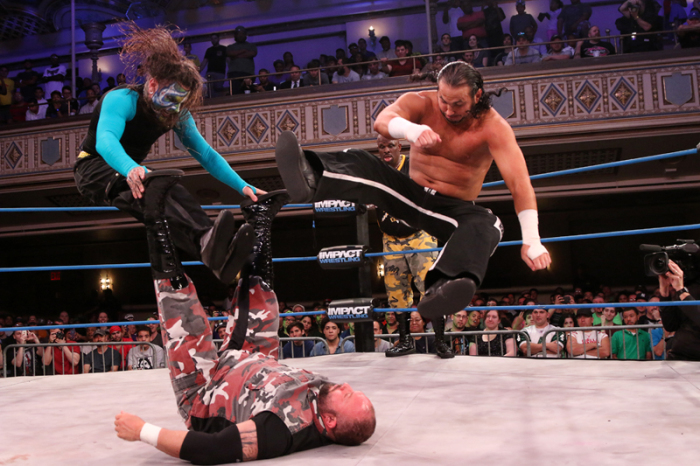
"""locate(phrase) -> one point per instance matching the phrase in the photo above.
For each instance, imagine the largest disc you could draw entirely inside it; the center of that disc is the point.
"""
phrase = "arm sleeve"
(118, 107)
(219, 448)
(210, 159)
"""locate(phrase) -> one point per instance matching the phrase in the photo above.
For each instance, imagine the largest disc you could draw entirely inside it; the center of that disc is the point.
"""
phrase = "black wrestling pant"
(102, 185)
(471, 233)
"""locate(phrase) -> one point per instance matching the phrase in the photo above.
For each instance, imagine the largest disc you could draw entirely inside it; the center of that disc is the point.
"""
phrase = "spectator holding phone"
(62, 359)
(24, 361)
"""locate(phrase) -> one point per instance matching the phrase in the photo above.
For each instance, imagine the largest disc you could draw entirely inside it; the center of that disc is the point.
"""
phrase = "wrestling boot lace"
(298, 176)
(406, 345)
(442, 348)
(260, 216)
(165, 262)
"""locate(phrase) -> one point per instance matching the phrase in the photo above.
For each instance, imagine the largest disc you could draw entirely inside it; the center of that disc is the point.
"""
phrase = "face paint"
(170, 98)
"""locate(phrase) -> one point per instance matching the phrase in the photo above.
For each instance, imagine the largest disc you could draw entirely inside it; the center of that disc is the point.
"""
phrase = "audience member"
(215, 64)
(54, 75)
(311, 327)
(523, 53)
(18, 108)
(534, 41)
(422, 344)
(555, 340)
(609, 318)
(520, 21)
(481, 57)
(558, 50)
(445, 46)
(402, 66)
(332, 346)
(386, 53)
(111, 84)
(311, 77)
(589, 344)
(344, 74)
(689, 33)
(492, 344)
(471, 22)
(574, 19)
(62, 359)
(392, 322)
(156, 337)
(241, 55)
(57, 107)
(145, 356)
(24, 361)
(552, 17)
(297, 348)
(116, 334)
(639, 16)
(294, 81)
(459, 344)
(501, 55)
(121, 79)
(86, 84)
(7, 87)
(494, 16)
(380, 344)
(103, 358)
(593, 46)
(187, 48)
(625, 342)
(97, 90)
(367, 55)
(373, 72)
(658, 335)
(70, 102)
(27, 80)
(277, 79)
(90, 104)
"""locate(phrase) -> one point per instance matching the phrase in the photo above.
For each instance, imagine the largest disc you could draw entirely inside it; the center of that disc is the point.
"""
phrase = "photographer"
(639, 16)
(66, 359)
(24, 361)
(684, 320)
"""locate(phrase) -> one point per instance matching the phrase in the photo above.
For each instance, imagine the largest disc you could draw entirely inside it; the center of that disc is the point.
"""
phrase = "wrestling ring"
(429, 411)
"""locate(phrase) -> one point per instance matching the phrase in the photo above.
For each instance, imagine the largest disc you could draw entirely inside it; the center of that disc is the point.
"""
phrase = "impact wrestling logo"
(341, 257)
(327, 207)
(357, 309)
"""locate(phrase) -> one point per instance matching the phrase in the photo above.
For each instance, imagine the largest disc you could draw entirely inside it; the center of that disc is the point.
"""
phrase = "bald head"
(389, 150)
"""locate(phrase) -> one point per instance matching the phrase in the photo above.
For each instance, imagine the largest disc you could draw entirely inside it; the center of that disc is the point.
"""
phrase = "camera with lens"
(60, 335)
(685, 254)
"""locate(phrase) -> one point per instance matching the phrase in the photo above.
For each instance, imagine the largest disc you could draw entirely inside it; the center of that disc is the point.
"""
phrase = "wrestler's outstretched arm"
(196, 447)
(511, 163)
(210, 159)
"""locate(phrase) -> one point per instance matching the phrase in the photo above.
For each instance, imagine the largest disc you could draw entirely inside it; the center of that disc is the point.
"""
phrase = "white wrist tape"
(149, 434)
(400, 128)
(531, 235)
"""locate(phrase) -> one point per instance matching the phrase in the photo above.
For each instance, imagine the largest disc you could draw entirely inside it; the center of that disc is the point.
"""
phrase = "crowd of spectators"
(494, 332)
(571, 29)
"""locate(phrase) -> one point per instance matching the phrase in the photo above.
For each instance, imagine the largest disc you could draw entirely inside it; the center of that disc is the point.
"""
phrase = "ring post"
(364, 331)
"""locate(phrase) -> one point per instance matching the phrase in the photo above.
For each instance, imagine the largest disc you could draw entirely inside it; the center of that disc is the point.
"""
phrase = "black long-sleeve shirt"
(685, 321)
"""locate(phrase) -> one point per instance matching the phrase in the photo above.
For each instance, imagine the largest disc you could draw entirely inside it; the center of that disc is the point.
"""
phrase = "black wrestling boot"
(215, 251)
(238, 254)
(443, 349)
(165, 263)
(298, 176)
(260, 216)
(406, 345)
(446, 296)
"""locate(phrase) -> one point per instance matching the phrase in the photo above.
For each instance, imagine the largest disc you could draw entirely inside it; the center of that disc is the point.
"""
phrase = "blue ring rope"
(602, 166)
(373, 254)
(380, 309)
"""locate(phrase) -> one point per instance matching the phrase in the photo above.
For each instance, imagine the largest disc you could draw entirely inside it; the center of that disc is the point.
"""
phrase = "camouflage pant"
(400, 269)
(245, 378)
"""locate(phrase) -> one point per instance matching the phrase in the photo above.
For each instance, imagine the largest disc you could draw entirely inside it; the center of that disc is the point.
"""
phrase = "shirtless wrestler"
(454, 135)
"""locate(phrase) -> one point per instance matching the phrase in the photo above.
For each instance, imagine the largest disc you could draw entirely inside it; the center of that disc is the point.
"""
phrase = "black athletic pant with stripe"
(471, 233)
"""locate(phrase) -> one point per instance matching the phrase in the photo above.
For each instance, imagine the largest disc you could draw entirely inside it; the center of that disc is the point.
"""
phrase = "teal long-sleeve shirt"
(120, 105)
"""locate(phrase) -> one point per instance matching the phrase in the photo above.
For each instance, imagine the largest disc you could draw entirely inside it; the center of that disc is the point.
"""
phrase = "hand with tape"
(533, 253)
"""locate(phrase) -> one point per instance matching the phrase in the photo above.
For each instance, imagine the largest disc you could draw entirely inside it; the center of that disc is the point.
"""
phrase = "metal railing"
(291, 340)
(451, 336)
(609, 331)
(78, 367)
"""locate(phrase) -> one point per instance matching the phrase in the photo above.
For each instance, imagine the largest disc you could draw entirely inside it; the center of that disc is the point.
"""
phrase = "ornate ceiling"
(19, 18)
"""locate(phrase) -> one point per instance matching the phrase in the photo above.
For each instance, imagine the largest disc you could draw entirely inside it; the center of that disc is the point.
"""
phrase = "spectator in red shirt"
(18, 108)
(116, 333)
(473, 22)
(63, 359)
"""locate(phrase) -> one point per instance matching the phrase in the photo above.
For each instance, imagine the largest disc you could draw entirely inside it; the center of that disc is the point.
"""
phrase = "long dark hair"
(157, 52)
(459, 73)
